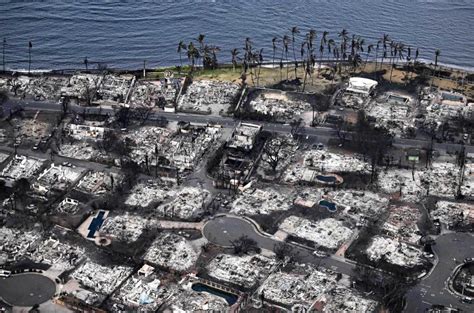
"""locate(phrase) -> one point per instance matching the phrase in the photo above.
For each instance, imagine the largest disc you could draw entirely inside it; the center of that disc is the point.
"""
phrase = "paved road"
(324, 132)
(223, 230)
(26, 289)
(432, 289)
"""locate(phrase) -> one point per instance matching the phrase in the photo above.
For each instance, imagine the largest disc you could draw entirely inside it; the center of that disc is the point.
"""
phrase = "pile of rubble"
(147, 141)
(146, 93)
(188, 203)
(37, 88)
(61, 256)
(401, 223)
(33, 129)
(243, 137)
(467, 187)
(442, 179)
(115, 88)
(188, 300)
(329, 162)
(278, 148)
(21, 166)
(82, 86)
(314, 162)
(86, 132)
(302, 286)
(172, 251)
(16, 242)
(208, 96)
(244, 271)
(187, 146)
(144, 293)
(127, 227)
(278, 104)
(328, 233)
(406, 183)
(80, 151)
(263, 201)
(355, 101)
(99, 182)
(394, 252)
(345, 300)
(56, 177)
(441, 106)
(393, 112)
(154, 93)
(454, 214)
(308, 197)
(144, 194)
(68, 206)
(101, 278)
(359, 203)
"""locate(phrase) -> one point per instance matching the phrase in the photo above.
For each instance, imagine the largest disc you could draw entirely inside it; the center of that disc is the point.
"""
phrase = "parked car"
(5, 273)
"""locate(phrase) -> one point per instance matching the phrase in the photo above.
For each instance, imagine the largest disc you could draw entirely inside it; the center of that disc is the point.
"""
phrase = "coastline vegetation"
(313, 59)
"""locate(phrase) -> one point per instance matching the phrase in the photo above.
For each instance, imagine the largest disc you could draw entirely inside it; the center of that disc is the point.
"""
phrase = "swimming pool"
(230, 298)
(330, 206)
(327, 179)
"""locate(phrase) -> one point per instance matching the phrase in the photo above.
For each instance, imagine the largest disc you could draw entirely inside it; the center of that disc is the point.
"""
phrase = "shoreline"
(424, 62)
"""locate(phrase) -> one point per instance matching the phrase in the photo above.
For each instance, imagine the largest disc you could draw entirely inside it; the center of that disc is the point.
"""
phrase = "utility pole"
(3, 54)
(144, 68)
(30, 45)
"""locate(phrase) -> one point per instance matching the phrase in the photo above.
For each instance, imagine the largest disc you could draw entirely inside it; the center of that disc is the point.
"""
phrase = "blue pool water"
(328, 205)
(96, 224)
(326, 179)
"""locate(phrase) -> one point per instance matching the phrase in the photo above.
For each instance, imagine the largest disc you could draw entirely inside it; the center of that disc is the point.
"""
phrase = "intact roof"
(361, 85)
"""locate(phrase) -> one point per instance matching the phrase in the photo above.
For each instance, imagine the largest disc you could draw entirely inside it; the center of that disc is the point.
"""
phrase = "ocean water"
(122, 34)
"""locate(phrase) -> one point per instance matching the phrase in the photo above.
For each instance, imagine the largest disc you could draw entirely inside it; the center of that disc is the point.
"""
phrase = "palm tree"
(234, 52)
(393, 55)
(369, 50)
(321, 48)
(181, 47)
(200, 39)
(202, 49)
(294, 31)
(307, 71)
(248, 57)
(344, 35)
(193, 54)
(437, 54)
(302, 52)
(384, 40)
(30, 45)
(285, 42)
(259, 58)
(311, 37)
(356, 61)
(274, 47)
(417, 54)
(331, 44)
(400, 49)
